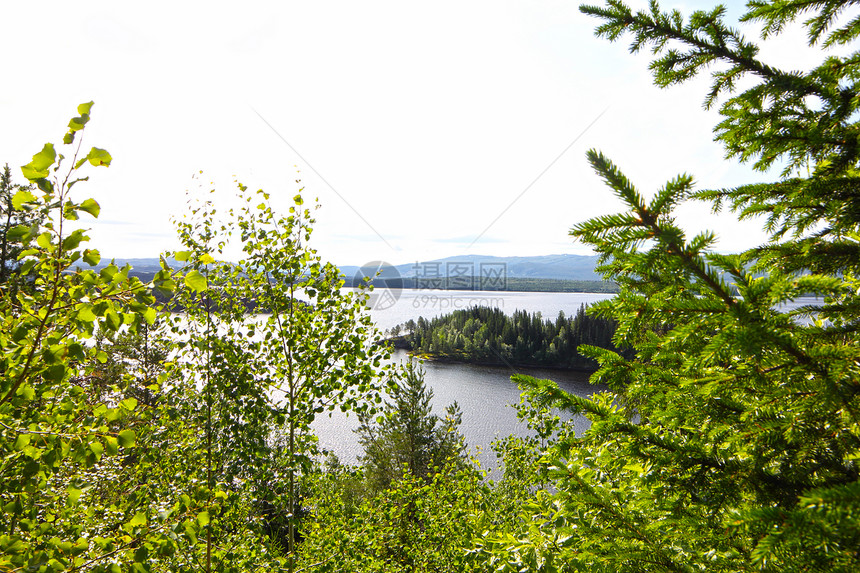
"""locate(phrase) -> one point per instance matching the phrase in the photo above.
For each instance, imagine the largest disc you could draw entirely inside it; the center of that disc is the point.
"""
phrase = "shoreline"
(400, 343)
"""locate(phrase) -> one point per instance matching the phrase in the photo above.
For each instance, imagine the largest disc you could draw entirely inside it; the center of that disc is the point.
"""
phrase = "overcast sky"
(425, 129)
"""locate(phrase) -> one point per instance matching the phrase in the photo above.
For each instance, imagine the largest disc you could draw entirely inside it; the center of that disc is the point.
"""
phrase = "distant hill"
(559, 267)
(554, 273)
(144, 269)
(139, 265)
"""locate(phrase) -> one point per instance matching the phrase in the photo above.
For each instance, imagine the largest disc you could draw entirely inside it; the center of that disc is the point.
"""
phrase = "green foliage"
(407, 438)
(415, 503)
(488, 335)
(732, 438)
(15, 216)
(265, 377)
(416, 524)
(138, 441)
(131, 359)
(68, 497)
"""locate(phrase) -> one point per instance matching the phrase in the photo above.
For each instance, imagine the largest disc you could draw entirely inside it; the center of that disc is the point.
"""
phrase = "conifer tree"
(408, 438)
(10, 217)
(731, 442)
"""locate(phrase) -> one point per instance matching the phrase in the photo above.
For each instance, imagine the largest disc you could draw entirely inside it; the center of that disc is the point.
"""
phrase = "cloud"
(468, 239)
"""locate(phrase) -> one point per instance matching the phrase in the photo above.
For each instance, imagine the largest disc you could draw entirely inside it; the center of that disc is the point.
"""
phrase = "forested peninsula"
(487, 335)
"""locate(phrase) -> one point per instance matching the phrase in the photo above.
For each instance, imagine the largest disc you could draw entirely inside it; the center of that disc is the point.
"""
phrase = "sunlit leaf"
(97, 448)
(22, 441)
(113, 320)
(91, 207)
(92, 257)
(126, 438)
(44, 240)
(38, 167)
(21, 198)
(74, 239)
(74, 493)
(78, 123)
(196, 281)
(18, 231)
(85, 312)
(98, 157)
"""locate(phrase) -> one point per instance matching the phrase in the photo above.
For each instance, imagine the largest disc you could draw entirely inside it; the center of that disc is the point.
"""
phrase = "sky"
(423, 129)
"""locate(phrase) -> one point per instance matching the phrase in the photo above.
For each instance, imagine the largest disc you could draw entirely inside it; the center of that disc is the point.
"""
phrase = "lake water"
(485, 394)
(390, 307)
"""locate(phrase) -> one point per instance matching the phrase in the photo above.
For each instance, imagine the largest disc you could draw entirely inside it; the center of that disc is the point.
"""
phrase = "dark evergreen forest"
(489, 336)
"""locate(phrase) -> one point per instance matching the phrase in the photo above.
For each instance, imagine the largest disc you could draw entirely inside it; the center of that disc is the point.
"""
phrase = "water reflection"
(485, 395)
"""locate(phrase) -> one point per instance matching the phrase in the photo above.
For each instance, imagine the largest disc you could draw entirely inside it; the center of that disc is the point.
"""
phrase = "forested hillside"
(489, 336)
